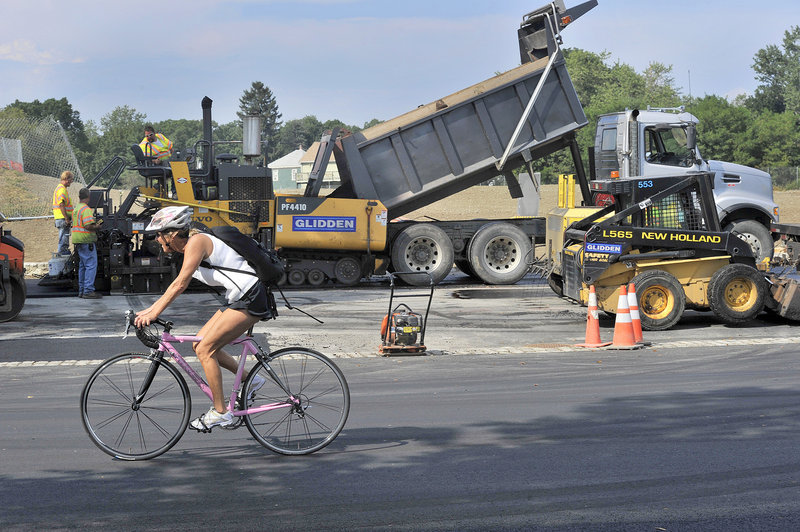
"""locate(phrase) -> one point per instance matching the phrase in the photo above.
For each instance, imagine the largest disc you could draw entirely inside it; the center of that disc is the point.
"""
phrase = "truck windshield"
(667, 147)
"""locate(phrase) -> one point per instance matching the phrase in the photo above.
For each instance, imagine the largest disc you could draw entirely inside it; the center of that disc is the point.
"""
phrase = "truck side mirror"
(691, 137)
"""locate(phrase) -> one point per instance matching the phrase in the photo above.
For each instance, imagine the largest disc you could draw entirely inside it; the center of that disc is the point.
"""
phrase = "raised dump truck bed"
(457, 141)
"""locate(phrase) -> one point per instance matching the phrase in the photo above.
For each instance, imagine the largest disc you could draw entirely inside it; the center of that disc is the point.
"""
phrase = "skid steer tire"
(737, 293)
(661, 299)
(556, 284)
(498, 253)
(756, 235)
(422, 248)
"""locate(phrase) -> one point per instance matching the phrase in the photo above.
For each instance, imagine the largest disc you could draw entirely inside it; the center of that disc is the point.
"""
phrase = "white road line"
(477, 351)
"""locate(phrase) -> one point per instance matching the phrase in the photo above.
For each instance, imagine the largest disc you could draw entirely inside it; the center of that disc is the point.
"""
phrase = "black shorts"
(258, 301)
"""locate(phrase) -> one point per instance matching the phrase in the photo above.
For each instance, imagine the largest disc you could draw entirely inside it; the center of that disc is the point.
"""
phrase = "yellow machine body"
(211, 213)
(330, 223)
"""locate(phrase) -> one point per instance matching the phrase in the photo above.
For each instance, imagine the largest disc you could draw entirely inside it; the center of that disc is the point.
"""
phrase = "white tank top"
(236, 284)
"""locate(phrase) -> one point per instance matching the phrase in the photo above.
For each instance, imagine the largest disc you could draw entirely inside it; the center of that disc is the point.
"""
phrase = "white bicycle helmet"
(170, 218)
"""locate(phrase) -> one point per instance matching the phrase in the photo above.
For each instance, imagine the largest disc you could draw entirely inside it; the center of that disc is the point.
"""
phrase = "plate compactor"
(403, 330)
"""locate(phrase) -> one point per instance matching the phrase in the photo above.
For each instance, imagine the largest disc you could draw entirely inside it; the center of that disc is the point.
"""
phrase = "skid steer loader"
(665, 237)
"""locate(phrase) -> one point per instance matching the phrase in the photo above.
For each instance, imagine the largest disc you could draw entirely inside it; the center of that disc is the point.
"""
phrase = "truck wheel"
(18, 291)
(661, 299)
(498, 253)
(422, 248)
(464, 266)
(737, 293)
(756, 235)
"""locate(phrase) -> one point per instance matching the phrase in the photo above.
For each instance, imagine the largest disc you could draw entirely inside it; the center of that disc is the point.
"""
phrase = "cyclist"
(247, 300)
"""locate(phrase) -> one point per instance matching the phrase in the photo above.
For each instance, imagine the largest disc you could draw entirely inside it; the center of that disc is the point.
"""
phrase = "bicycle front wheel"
(135, 407)
(318, 401)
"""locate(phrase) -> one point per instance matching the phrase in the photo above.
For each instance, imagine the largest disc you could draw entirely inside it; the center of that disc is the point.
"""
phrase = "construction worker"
(84, 236)
(155, 145)
(62, 211)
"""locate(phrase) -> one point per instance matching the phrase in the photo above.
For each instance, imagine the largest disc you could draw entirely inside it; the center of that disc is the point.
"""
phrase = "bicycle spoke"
(315, 384)
(117, 389)
(135, 429)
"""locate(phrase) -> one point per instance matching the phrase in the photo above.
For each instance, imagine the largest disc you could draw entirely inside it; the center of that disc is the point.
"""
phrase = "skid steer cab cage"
(669, 218)
(403, 330)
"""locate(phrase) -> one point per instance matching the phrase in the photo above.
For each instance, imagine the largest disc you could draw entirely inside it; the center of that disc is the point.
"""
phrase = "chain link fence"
(11, 154)
(785, 177)
(33, 153)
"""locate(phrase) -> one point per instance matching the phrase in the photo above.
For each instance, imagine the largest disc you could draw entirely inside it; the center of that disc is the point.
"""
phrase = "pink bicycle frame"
(248, 348)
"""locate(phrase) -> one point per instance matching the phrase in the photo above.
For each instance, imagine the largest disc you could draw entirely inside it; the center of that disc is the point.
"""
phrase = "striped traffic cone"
(633, 306)
(592, 324)
(636, 321)
(623, 328)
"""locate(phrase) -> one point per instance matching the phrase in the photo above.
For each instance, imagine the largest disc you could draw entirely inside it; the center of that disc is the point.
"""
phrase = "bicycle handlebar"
(146, 338)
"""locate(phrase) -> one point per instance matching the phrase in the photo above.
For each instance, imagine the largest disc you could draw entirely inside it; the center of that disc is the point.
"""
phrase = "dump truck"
(13, 291)
(489, 129)
(663, 235)
(659, 142)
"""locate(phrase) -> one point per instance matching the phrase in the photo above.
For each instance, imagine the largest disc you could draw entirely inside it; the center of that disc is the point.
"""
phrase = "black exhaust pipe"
(208, 152)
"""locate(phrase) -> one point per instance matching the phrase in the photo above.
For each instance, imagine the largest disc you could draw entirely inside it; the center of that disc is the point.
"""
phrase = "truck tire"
(737, 293)
(756, 235)
(422, 248)
(18, 293)
(466, 267)
(498, 253)
(661, 299)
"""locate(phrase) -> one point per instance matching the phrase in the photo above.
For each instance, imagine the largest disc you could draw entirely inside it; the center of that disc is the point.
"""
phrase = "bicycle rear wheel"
(129, 429)
(319, 401)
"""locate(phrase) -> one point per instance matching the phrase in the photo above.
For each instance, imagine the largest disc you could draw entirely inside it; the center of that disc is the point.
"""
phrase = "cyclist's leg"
(224, 327)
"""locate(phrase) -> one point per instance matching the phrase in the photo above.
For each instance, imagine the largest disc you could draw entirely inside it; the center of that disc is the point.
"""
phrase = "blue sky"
(348, 59)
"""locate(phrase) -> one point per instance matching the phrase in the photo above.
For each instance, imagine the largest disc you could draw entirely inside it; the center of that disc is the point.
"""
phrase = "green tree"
(259, 100)
(61, 110)
(117, 131)
(723, 126)
(772, 140)
(373, 122)
(297, 133)
(778, 70)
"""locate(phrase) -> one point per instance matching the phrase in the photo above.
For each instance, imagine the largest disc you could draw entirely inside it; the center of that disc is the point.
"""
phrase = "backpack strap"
(206, 264)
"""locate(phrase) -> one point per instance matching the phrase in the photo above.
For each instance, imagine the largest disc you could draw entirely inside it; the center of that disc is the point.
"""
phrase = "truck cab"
(660, 142)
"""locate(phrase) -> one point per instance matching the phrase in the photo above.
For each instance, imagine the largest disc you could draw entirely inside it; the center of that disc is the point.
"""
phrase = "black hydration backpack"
(266, 263)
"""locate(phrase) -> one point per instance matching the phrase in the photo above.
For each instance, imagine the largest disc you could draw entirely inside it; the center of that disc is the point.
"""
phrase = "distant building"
(286, 171)
(331, 178)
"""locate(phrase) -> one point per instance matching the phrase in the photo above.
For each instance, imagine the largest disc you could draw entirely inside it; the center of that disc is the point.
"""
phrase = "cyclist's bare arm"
(197, 249)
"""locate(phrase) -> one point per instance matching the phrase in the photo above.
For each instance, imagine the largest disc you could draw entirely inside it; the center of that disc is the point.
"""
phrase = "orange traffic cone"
(592, 324)
(633, 306)
(623, 328)
(636, 321)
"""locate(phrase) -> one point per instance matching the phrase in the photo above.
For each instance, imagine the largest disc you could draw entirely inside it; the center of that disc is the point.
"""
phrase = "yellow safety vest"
(60, 195)
(80, 219)
(158, 149)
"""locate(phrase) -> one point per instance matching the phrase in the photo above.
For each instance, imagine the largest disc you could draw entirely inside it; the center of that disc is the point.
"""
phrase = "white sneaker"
(212, 418)
(258, 383)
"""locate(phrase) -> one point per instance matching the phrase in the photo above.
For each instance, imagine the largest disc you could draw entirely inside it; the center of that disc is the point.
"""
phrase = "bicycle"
(137, 406)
